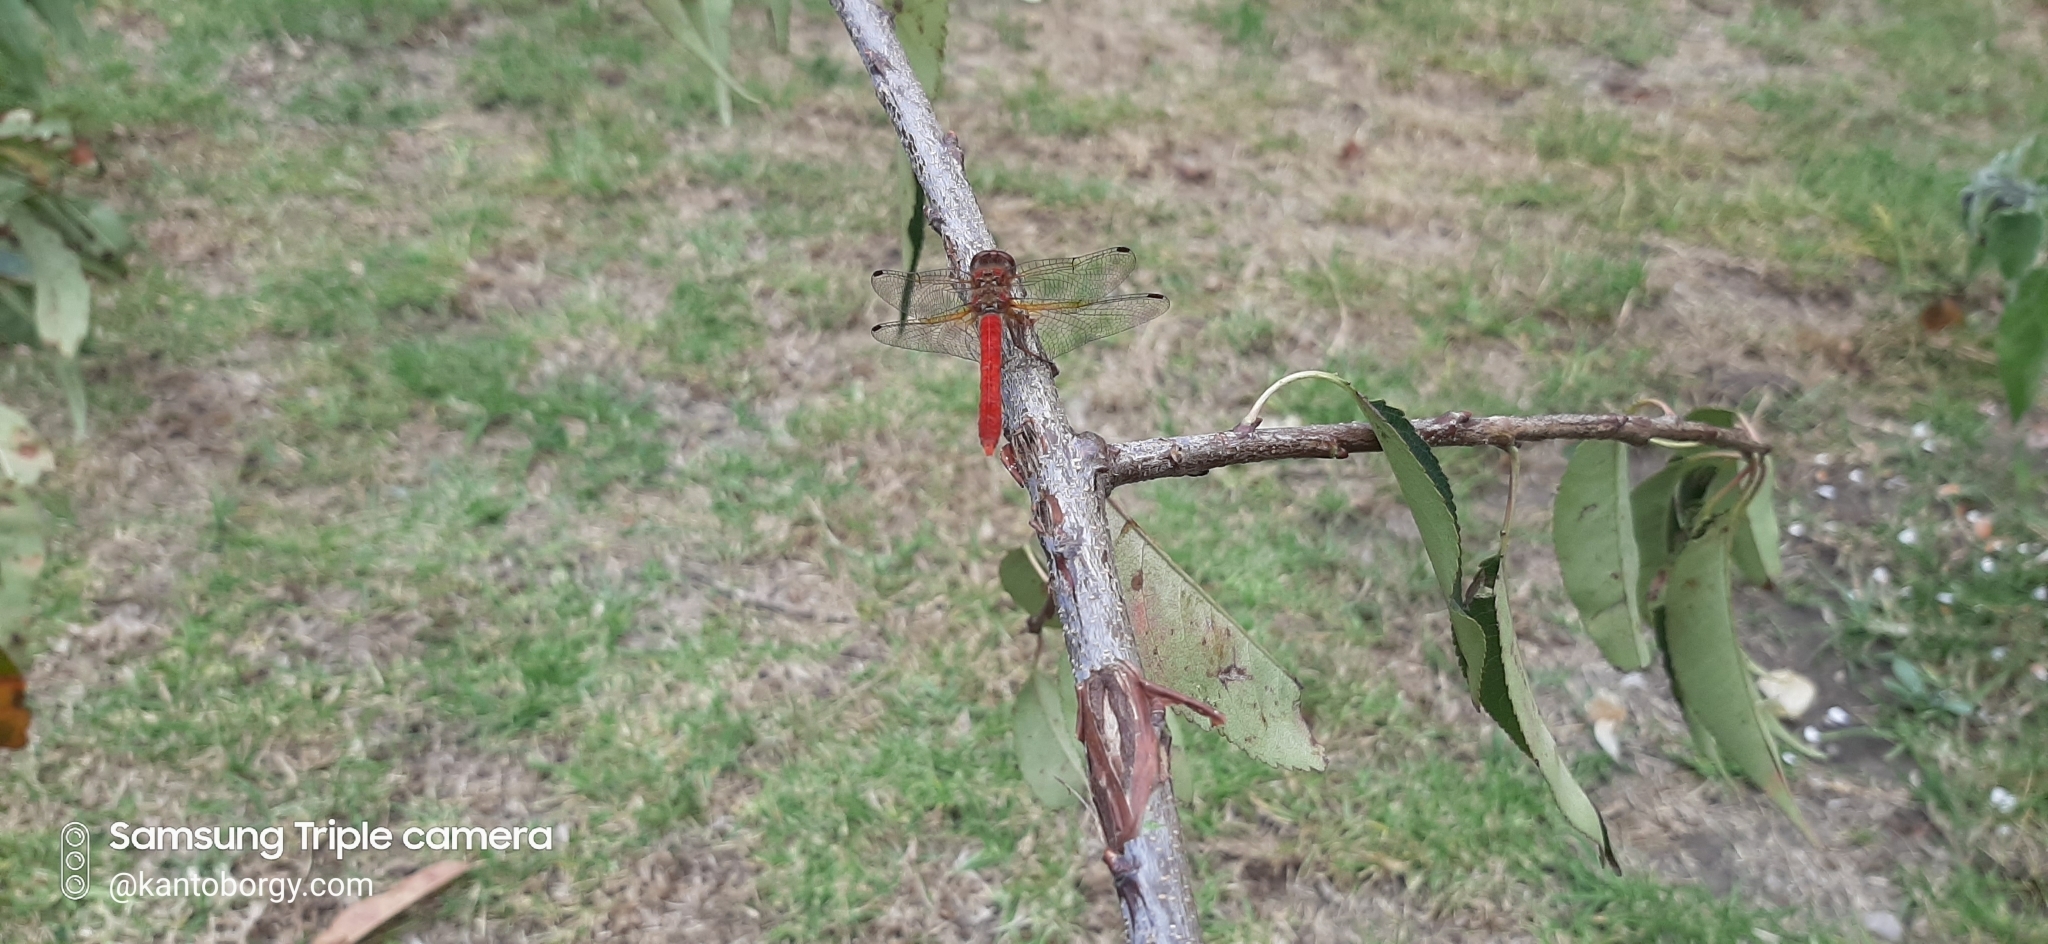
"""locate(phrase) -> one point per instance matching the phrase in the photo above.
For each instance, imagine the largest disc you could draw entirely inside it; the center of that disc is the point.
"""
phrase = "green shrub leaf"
(1709, 674)
(1043, 723)
(2013, 239)
(1505, 694)
(1593, 528)
(1024, 581)
(1186, 642)
(63, 299)
(2023, 341)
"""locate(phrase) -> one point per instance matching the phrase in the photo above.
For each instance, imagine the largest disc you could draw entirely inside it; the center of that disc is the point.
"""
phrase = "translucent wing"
(933, 292)
(1082, 279)
(953, 334)
(1064, 326)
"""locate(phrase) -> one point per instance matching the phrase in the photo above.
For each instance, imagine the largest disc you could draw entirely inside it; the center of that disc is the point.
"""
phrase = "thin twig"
(755, 600)
(1147, 459)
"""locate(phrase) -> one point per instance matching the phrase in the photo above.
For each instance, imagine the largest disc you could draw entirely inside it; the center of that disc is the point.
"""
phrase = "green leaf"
(2013, 239)
(1505, 694)
(921, 28)
(1423, 488)
(62, 18)
(63, 299)
(1024, 581)
(1757, 555)
(1593, 528)
(23, 456)
(1186, 642)
(21, 49)
(778, 12)
(912, 193)
(1042, 729)
(1654, 504)
(2023, 341)
(716, 16)
(676, 21)
(1709, 674)
(1480, 625)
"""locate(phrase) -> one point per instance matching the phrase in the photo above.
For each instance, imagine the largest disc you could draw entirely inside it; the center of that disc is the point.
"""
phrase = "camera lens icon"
(74, 860)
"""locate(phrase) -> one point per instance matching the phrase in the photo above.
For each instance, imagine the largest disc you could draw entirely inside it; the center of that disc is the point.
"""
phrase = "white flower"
(2003, 801)
(1987, 565)
(1909, 537)
(1945, 598)
(1880, 576)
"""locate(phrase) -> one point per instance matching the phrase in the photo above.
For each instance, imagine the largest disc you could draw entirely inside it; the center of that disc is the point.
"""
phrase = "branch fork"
(1069, 476)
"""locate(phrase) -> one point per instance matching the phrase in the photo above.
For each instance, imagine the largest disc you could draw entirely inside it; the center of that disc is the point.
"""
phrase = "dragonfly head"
(993, 268)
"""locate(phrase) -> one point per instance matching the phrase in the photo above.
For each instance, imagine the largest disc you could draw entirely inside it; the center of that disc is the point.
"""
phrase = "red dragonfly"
(1067, 301)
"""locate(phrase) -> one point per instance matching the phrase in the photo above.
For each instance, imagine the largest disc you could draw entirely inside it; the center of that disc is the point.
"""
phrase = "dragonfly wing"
(932, 293)
(1081, 279)
(953, 334)
(1062, 328)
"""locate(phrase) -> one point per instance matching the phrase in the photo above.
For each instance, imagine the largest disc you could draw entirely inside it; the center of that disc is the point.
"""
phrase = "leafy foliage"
(2006, 216)
(1594, 532)
(1697, 521)
(704, 28)
(50, 240)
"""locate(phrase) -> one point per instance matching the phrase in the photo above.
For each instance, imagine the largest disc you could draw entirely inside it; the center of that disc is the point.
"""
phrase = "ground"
(488, 435)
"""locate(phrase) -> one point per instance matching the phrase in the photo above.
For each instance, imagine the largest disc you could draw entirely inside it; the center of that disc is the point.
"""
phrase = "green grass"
(551, 376)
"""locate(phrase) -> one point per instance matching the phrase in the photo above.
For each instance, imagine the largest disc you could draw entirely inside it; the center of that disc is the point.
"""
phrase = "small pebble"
(1880, 576)
(1905, 592)
(1988, 565)
(1927, 445)
(1998, 653)
(2041, 594)
(1922, 431)
(1824, 459)
(1838, 717)
(1796, 530)
(1790, 759)
(1884, 924)
(1856, 476)
(2003, 801)
(1945, 598)
(1811, 734)
(1826, 492)
(2003, 830)
(1909, 537)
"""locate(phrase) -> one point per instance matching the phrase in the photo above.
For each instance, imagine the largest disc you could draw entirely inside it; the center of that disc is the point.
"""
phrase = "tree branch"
(1146, 459)
(1065, 474)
